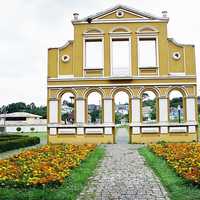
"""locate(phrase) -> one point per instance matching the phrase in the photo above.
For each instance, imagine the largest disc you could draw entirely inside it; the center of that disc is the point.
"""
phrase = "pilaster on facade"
(80, 111)
(108, 110)
(136, 109)
(53, 111)
(191, 109)
(163, 109)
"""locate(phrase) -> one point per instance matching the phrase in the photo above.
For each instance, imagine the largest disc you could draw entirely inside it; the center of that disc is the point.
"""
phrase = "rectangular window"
(120, 57)
(147, 52)
(93, 54)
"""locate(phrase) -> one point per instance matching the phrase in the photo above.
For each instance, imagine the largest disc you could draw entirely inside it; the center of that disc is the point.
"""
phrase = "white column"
(190, 109)
(136, 110)
(53, 111)
(163, 114)
(163, 109)
(80, 110)
(108, 111)
(52, 131)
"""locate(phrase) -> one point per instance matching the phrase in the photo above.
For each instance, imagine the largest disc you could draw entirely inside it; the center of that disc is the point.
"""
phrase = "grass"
(122, 126)
(69, 190)
(177, 187)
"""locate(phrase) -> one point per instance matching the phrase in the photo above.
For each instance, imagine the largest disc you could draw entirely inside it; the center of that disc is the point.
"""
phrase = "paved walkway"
(122, 136)
(122, 174)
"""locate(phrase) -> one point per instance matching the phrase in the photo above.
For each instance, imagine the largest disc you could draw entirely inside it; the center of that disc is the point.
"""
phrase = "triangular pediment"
(120, 12)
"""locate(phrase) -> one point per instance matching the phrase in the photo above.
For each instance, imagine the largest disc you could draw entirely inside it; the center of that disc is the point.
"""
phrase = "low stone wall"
(170, 137)
(80, 139)
(26, 128)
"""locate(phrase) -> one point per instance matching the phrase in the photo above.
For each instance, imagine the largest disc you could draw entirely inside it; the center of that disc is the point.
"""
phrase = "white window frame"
(92, 37)
(152, 36)
(120, 36)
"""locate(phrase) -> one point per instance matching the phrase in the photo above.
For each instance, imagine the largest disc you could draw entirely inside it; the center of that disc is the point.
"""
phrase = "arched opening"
(94, 30)
(120, 29)
(176, 107)
(68, 108)
(94, 108)
(121, 105)
(147, 29)
(149, 107)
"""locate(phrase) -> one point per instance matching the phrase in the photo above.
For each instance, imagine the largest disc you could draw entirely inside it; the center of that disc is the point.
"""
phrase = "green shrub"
(18, 129)
(32, 129)
(11, 137)
(16, 143)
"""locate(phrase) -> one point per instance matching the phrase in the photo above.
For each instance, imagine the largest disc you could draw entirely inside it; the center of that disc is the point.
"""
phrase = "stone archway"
(122, 115)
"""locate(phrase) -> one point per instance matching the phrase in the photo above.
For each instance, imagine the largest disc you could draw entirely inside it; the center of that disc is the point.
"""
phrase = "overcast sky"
(29, 27)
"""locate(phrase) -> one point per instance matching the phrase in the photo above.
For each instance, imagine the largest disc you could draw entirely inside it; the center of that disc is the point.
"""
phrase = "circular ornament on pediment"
(65, 58)
(119, 13)
(176, 55)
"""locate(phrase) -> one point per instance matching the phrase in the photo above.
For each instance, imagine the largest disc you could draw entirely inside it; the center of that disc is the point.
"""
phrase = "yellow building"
(122, 49)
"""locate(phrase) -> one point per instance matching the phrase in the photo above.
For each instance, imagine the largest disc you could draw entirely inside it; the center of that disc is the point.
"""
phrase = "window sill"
(148, 67)
(120, 77)
(101, 68)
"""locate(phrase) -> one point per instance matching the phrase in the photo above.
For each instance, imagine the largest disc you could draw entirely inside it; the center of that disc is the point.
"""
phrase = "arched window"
(94, 31)
(120, 29)
(121, 108)
(147, 29)
(176, 106)
(95, 114)
(67, 108)
(149, 107)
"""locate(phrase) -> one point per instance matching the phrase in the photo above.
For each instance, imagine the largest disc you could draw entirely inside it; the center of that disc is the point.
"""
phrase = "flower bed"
(47, 165)
(184, 158)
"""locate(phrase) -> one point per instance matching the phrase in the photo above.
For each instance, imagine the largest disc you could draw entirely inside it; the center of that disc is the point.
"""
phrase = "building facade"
(27, 122)
(122, 50)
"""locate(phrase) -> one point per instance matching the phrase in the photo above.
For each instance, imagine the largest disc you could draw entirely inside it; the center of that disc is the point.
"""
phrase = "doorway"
(121, 108)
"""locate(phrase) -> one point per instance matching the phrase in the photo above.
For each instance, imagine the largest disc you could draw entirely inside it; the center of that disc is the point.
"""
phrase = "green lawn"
(69, 190)
(177, 187)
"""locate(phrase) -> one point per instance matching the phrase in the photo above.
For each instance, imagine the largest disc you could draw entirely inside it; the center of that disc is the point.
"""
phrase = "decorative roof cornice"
(145, 16)
(64, 46)
(179, 44)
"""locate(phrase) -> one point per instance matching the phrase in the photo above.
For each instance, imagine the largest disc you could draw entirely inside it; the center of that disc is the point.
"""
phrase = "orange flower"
(46, 165)
(184, 158)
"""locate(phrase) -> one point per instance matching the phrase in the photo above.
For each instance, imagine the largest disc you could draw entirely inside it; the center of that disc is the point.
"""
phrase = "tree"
(16, 107)
(126, 117)
(22, 107)
(153, 113)
(32, 129)
(176, 101)
(64, 117)
(95, 114)
(118, 118)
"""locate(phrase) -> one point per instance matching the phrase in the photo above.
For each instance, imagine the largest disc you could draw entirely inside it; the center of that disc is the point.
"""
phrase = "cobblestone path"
(122, 175)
